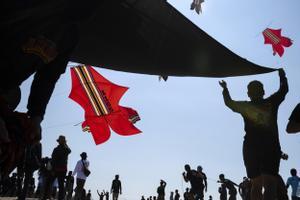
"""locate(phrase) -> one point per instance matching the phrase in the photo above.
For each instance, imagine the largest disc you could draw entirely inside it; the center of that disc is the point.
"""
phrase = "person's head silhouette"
(83, 155)
(161, 182)
(293, 172)
(221, 177)
(187, 167)
(117, 177)
(199, 168)
(256, 90)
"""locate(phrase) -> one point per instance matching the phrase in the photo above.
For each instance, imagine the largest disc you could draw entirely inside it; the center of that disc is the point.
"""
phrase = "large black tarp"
(140, 36)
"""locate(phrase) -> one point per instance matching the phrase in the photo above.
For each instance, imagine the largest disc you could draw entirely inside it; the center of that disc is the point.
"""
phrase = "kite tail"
(278, 49)
(98, 128)
(287, 42)
(119, 122)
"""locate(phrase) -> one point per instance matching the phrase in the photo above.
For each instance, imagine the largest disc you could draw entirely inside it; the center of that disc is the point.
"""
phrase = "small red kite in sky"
(277, 41)
(100, 100)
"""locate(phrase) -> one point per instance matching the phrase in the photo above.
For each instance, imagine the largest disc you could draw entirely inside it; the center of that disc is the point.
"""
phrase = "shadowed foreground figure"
(261, 148)
(37, 42)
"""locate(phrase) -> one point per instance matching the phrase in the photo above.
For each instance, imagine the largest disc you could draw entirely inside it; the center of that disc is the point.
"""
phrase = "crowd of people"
(197, 179)
(53, 180)
(52, 175)
(263, 181)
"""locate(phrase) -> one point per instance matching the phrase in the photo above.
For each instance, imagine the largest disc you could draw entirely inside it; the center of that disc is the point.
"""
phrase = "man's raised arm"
(233, 105)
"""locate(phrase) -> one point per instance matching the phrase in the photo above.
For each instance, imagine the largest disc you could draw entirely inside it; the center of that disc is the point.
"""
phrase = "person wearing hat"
(59, 165)
(80, 169)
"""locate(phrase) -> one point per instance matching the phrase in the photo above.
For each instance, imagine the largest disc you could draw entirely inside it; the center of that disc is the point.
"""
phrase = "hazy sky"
(184, 120)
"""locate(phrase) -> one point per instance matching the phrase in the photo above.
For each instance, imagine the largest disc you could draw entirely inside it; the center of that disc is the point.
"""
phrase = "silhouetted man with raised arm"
(116, 188)
(161, 190)
(261, 148)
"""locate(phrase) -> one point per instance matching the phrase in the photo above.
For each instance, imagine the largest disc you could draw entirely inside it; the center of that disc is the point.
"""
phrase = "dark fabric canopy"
(142, 36)
(151, 37)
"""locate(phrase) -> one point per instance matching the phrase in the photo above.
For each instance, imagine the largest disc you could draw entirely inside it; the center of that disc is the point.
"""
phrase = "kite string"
(63, 124)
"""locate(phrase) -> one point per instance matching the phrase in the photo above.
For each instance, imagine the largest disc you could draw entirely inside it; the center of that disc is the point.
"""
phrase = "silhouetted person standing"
(88, 195)
(202, 181)
(293, 181)
(177, 195)
(161, 190)
(245, 188)
(101, 195)
(31, 162)
(192, 176)
(230, 186)
(210, 197)
(59, 163)
(116, 188)
(81, 177)
(107, 195)
(293, 125)
(69, 185)
(223, 192)
(186, 194)
(261, 148)
(172, 196)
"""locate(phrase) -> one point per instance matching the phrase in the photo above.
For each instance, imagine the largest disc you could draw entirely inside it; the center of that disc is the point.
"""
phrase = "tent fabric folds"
(139, 36)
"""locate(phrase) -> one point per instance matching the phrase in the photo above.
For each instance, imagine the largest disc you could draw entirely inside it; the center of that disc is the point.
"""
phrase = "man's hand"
(223, 84)
(281, 72)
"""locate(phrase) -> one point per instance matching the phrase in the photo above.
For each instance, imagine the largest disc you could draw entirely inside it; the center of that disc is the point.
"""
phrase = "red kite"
(277, 41)
(100, 100)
